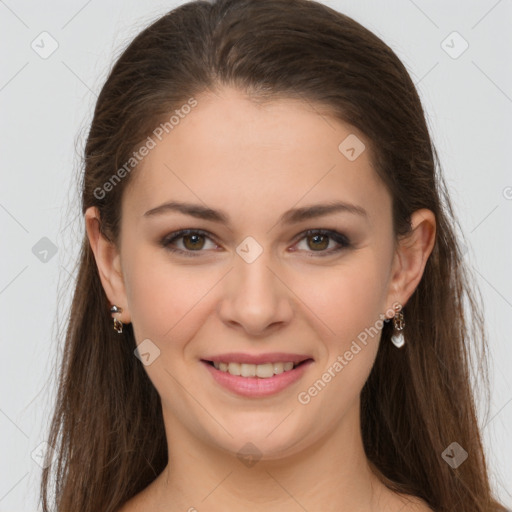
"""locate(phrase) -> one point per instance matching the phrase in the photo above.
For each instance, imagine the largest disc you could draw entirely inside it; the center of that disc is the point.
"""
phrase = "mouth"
(252, 380)
(261, 371)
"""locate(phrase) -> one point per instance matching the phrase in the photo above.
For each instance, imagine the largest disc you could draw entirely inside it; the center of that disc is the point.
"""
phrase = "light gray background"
(47, 104)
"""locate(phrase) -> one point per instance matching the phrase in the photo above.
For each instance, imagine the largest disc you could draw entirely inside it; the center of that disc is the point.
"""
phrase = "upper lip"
(273, 357)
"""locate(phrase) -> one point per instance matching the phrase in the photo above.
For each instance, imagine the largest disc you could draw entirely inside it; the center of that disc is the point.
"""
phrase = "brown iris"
(323, 245)
(196, 241)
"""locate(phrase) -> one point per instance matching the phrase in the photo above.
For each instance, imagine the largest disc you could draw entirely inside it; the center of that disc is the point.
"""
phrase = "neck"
(332, 474)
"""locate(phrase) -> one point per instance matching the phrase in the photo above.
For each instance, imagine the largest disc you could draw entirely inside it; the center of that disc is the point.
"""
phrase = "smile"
(263, 371)
(256, 380)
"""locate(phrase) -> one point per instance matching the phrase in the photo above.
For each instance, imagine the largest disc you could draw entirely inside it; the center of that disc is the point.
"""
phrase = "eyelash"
(342, 240)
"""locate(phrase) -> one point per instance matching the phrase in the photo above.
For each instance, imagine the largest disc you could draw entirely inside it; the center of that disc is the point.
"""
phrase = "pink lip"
(270, 357)
(255, 387)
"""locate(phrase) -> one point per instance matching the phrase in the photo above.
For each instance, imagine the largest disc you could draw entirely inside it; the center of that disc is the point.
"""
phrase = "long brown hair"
(107, 428)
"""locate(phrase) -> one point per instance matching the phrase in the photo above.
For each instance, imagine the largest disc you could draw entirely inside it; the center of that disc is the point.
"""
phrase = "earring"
(398, 323)
(118, 325)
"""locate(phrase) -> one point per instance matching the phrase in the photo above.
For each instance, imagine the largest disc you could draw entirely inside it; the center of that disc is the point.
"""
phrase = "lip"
(255, 387)
(270, 357)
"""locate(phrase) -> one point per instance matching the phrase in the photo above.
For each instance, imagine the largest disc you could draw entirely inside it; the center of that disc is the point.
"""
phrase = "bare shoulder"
(147, 499)
(420, 507)
(138, 503)
(130, 506)
(413, 504)
(391, 501)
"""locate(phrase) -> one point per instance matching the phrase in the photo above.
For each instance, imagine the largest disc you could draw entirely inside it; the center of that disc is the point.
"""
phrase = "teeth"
(264, 371)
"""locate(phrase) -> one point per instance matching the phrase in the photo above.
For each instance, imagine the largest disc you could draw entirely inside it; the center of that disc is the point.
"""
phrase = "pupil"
(195, 238)
(317, 237)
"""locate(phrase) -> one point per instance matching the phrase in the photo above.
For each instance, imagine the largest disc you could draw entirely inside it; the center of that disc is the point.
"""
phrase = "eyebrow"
(292, 216)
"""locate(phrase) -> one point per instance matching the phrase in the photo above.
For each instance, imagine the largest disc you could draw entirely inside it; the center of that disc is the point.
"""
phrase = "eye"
(193, 241)
(319, 240)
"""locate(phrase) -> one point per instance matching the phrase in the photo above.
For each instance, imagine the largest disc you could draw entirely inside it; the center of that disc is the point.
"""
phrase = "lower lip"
(256, 387)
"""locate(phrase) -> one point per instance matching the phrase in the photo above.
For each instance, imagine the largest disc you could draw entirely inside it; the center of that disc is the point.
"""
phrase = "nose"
(256, 298)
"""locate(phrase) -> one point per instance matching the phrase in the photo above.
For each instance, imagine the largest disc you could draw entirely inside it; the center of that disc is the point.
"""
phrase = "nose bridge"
(256, 298)
(255, 277)
(256, 285)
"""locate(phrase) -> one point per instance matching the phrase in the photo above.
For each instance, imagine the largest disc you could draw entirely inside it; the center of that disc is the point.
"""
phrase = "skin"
(254, 162)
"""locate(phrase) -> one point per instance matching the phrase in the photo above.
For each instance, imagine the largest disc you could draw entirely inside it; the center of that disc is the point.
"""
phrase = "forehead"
(230, 152)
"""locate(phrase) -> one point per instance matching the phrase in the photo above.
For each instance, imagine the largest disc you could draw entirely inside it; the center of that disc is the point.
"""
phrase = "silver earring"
(398, 323)
(118, 325)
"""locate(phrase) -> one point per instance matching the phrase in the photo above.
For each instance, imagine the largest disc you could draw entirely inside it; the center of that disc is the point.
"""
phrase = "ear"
(411, 256)
(108, 262)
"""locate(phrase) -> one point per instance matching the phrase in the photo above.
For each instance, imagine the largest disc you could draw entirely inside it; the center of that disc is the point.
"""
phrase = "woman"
(269, 307)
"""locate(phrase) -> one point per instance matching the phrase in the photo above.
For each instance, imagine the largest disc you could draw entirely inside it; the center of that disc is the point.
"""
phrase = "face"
(255, 286)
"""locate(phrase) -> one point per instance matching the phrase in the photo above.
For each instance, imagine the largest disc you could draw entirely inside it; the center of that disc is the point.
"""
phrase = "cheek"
(156, 294)
(165, 299)
(345, 299)
(347, 302)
